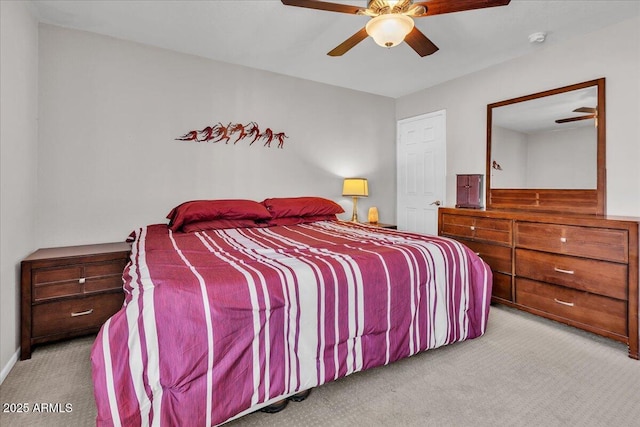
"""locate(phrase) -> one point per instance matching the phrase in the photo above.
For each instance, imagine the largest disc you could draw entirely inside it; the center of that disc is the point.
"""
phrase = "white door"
(421, 165)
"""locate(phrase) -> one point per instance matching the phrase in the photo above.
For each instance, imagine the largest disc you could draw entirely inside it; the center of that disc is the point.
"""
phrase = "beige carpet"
(525, 371)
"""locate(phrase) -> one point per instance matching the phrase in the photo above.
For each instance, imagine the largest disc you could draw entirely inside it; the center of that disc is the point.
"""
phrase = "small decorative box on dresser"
(469, 191)
(70, 291)
(581, 270)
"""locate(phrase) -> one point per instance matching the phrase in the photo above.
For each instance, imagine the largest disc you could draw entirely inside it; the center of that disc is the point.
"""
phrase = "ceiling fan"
(392, 21)
(592, 114)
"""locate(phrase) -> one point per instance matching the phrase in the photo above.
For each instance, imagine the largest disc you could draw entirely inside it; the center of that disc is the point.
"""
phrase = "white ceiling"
(267, 35)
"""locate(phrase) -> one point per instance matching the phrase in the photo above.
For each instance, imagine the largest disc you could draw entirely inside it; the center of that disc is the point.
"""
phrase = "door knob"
(437, 203)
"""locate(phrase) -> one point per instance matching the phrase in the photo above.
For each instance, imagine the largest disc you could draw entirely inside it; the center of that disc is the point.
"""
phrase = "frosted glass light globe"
(390, 29)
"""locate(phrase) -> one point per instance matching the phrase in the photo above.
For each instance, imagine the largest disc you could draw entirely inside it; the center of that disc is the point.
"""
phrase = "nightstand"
(382, 225)
(69, 291)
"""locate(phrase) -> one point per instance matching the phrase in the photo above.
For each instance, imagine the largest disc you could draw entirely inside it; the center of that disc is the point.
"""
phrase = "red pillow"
(219, 224)
(291, 220)
(301, 206)
(206, 210)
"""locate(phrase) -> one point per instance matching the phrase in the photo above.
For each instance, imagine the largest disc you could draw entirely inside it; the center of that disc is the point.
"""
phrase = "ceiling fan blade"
(420, 43)
(344, 47)
(575, 119)
(439, 7)
(585, 110)
(323, 5)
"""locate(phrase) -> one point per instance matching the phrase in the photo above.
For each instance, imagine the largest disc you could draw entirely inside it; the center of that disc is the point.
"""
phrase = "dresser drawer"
(598, 277)
(501, 286)
(498, 257)
(74, 314)
(457, 225)
(493, 230)
(590, 242)
(596, 311)
(486, 229)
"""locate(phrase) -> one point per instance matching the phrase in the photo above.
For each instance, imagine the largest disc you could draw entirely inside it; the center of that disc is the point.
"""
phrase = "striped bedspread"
(220, 323)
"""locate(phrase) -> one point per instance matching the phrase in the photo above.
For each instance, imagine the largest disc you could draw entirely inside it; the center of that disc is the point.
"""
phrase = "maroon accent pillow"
(292, 220)
(219, 224)
(301, 206)
(206, 210)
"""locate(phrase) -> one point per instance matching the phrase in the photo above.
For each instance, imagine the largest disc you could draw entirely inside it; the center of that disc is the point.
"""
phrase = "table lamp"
(355, 187)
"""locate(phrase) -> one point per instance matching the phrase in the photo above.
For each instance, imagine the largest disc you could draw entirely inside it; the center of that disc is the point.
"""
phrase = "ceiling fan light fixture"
(390, 29)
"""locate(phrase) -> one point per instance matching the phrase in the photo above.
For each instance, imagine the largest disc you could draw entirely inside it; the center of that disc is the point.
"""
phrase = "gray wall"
(18, 163)
(613, 53)
(111, 109)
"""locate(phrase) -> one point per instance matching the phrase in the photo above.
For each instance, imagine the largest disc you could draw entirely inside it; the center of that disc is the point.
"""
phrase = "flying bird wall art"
(235, 132)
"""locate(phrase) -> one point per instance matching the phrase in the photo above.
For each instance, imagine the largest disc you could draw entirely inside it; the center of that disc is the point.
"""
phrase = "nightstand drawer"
(107, 269)
(588, 242)
(77, 280)
(382, 225)
(604, 313)
(598, 277)
(74, 314)
(103, 283)
(66, 289)
(53, 275)
(56, 290)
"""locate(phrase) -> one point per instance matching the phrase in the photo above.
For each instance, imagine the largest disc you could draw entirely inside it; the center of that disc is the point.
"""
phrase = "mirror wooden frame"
(587, 201)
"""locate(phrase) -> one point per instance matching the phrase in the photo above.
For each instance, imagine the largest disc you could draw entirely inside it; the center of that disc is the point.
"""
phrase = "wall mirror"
(546, 151)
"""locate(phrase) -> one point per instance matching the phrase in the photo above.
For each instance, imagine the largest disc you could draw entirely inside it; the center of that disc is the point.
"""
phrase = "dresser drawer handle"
(477, 253)
(559, 270)
(82, 313)
(569, 304)
(82, 280)
(563, 239)
(472, 228)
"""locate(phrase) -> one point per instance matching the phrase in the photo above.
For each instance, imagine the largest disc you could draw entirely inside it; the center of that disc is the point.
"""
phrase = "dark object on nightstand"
(469, 191)
(382, 225)
(70, 291)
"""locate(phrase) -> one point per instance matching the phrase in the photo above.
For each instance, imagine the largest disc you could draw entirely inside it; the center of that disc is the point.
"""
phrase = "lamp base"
(354, 216)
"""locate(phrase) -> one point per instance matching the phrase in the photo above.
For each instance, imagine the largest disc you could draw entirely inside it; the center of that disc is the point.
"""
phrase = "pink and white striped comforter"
(218, 324)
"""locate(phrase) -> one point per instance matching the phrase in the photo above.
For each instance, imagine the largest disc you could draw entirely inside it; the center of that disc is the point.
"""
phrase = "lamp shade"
(356, 187)
(390, 29)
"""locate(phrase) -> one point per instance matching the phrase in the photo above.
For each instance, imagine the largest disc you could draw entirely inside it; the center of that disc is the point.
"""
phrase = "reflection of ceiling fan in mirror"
(593, 114)
(392, 21)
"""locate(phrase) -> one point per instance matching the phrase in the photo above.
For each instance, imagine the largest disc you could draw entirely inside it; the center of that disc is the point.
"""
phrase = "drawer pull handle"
(472, 228)
(82, 280)
(477, 253)
(559, 270)
(563, 239)
(569, 304)
(82, 313)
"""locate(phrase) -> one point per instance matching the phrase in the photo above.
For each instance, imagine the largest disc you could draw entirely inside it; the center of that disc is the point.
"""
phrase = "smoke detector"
(537, 37)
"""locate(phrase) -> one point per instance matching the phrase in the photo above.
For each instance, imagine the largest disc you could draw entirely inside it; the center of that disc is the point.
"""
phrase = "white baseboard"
(9, 366)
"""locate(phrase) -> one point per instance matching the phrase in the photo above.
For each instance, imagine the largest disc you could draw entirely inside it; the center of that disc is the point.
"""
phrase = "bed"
(219, 321)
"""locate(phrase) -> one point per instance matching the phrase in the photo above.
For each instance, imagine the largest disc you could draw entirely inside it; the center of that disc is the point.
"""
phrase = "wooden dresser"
(577, 269)
(70, 291)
